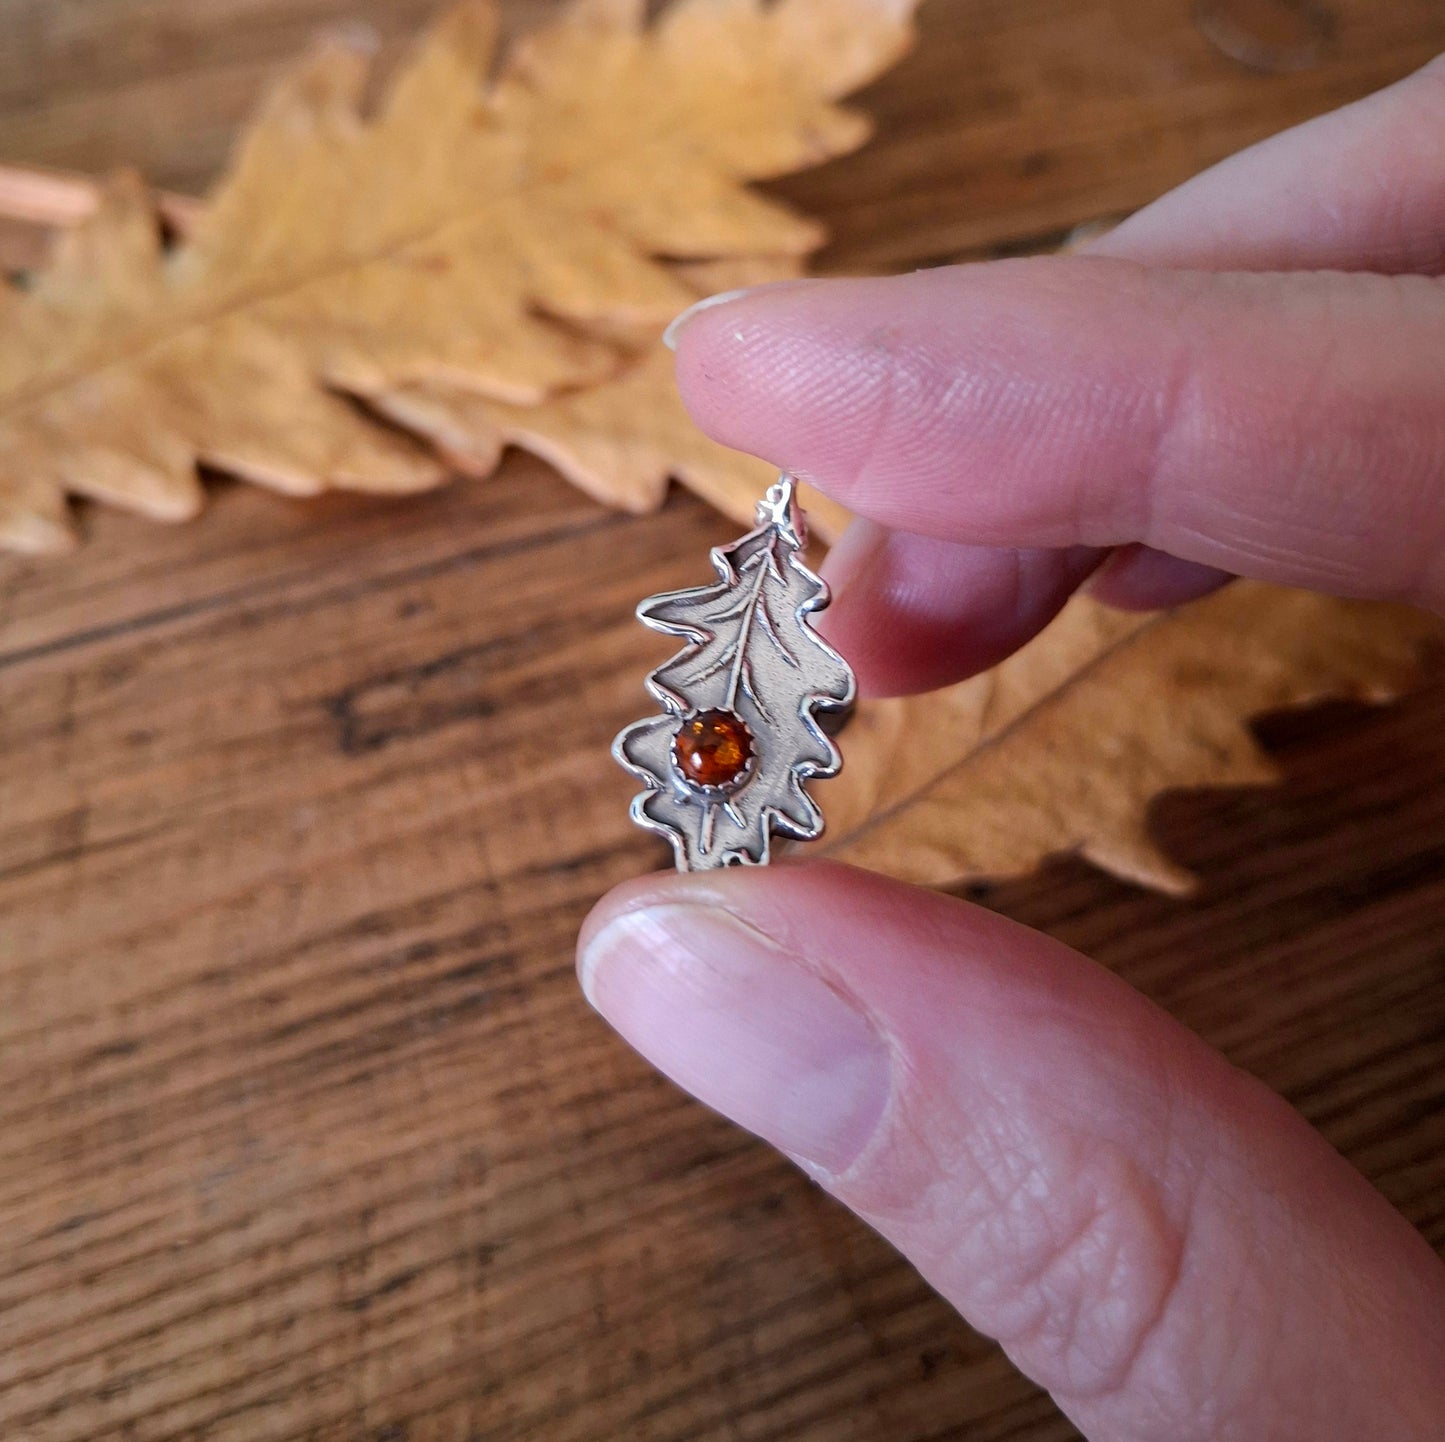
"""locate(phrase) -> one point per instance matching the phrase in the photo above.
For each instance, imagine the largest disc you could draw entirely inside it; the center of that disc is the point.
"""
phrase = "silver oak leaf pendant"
(725, 765)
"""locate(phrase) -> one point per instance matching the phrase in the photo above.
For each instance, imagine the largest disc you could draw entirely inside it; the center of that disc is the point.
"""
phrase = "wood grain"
(306, 1130)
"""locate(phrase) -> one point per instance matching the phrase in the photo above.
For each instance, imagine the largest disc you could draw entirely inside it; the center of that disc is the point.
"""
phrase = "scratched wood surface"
(305, 1131)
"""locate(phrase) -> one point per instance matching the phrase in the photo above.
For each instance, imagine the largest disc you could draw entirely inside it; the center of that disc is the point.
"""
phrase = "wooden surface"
(307, 1132)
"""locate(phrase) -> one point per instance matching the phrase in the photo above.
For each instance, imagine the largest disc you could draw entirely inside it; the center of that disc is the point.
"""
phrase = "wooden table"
(307, 1132)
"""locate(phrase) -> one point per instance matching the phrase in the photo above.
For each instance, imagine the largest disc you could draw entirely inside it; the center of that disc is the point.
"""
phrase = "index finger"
(1289, 427)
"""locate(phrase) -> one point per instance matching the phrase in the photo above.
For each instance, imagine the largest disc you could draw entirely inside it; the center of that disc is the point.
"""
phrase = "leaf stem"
(745, 626)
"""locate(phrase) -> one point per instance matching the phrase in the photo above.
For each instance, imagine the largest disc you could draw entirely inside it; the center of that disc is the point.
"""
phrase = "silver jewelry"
(724, 767)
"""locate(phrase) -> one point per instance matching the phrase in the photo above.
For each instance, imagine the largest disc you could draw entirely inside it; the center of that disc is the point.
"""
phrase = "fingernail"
(744, 1025)
(670, 335)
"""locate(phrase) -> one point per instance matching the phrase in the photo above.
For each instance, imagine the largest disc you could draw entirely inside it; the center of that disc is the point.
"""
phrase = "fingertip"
(918, 399)
(687, 976)
(638, 893)
(743, 370)
(912, 613)
(1139, 578)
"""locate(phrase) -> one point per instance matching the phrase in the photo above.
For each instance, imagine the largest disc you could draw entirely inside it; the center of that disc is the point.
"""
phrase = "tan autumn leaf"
(622, 439)
(502, 237)
(1063, 746)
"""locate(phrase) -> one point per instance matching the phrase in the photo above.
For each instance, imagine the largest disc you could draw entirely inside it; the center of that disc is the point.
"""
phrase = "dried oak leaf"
(624, 438)
(506, 238)
(1063, 746)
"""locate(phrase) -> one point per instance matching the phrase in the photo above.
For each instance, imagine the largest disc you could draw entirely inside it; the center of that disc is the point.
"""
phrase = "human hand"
(1152, 1235)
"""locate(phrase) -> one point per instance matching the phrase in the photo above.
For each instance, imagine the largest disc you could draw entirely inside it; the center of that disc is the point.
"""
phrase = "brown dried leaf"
(502, 240)
(1064, 745)
(620, 440)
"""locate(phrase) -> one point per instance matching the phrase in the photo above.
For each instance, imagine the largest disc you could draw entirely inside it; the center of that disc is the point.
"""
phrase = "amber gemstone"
(713, 748)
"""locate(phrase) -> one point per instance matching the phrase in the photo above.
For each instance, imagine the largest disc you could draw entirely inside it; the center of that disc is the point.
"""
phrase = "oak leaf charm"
(725, 765)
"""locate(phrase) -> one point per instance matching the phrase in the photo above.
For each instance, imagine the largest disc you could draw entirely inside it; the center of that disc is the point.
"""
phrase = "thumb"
(1152, 1235)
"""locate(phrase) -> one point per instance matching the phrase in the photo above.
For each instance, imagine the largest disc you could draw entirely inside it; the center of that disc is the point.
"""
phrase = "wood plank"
(163, 85)
(306, 1131)
(1015, 120)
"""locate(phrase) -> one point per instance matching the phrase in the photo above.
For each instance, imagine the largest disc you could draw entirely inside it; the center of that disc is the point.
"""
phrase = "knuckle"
(1102, 1282)
(1063, 1246)
(1094, 1240)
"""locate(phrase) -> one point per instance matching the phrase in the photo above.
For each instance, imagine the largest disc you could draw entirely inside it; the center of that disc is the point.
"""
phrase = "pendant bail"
(779, 507)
